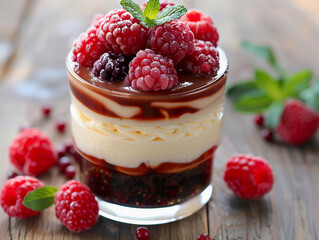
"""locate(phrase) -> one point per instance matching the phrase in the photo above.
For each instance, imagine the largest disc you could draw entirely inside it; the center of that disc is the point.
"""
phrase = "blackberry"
(112, 67)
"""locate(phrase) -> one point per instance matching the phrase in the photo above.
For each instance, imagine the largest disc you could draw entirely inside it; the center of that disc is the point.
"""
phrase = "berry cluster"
(159, 44)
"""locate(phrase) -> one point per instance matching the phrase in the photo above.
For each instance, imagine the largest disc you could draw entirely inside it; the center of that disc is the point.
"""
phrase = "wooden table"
(35, 38)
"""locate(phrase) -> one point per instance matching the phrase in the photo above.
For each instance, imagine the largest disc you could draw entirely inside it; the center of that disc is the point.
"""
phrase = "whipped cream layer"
(129, 146)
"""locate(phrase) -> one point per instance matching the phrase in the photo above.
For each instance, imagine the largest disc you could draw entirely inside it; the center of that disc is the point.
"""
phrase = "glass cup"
(147, 156)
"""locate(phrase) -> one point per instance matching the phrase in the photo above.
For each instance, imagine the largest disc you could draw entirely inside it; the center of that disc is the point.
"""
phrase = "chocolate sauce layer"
(85, 87)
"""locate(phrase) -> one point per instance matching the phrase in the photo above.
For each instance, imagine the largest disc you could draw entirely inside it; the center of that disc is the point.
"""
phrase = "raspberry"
(150, 71)
(164, 4)
(122, 32)
(249, 177)
(13, 193)
(203, 62)
(75, 206)
(88, 48)
(173, 39)
(32, 152)
(201, 25)
(111, 67)
(298, 123)
(96, 20)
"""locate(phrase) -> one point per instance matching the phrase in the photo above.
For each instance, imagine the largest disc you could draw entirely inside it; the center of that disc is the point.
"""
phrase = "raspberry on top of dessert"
(175, 40)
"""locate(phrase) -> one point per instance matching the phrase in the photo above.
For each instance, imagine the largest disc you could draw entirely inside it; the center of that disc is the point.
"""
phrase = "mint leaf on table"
(40, 198)
(311, 96)
(151, 16)
(253, 104)
(295, 84)
(239, 90)
(268, 84)
(273, 114)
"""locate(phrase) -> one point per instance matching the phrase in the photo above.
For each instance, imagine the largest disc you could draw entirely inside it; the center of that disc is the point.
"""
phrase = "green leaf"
(150, 22)
(170, 13)
(296, 83)
(273, 114)
(268, 84)
(40, 198)
(261, 51)
(152, 8)
(311, 96)
(237, 91)
(253, 104)
(135, 10)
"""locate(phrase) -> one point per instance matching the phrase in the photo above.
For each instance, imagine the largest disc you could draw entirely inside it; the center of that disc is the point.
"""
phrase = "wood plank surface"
(36, 36)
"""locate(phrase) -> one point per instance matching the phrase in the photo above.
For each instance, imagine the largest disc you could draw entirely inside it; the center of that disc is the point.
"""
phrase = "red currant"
(11, 174)
(259, 120)
(46, 110)
(60, 125)
(70, 172)
(267, 134)
(142, 233)
(64, 162)
(203, 237)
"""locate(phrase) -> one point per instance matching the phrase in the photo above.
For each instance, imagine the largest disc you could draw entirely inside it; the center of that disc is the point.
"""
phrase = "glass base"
(156, 215)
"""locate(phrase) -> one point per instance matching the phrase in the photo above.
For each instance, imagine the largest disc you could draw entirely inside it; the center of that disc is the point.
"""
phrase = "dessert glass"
(147, 156)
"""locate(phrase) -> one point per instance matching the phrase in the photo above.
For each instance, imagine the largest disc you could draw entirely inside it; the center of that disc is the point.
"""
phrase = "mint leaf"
(237, 91)
(261, 51)
(135, 10)
(265, 53)
(311, 96)
(150, 22)
(295, 84)
(268, 84)
(152, 8)
(40, 198)
(170, 13)
(273, 114)
(253, 104)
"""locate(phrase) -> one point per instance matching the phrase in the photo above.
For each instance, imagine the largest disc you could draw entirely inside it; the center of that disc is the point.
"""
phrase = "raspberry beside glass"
(147, 142)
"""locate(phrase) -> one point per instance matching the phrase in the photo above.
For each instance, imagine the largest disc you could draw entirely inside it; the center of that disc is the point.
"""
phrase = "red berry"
(249, 177)
(173, 39)
(77, 157)
(60, 126)
(204, 61)
(164, 4)
(76, 207)
(22, 128)
(298, 123)
(64, 162)
(13, 193)
(259, 120)
(150, 71)
(201, 25)
(267, 135)
(67, 146)
(122, 32)
(96, 20)
(32, 152)
(88, 48)
(203, 237)
(60, 152)
(11, 174)
(70, 172)
(142, 233)
(46, 110)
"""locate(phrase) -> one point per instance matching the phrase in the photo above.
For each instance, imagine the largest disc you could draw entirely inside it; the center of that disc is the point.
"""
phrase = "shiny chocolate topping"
(84, 86)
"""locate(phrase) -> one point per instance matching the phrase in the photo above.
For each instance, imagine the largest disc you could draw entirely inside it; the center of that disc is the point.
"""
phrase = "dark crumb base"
(149, 190)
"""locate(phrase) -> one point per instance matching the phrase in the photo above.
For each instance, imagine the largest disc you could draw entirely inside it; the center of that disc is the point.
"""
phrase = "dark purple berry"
(111, 67)
(11, 174)
(267, 134)
(142, 233)
(46, 110)
(60, 126)
(64, 162)
(259, 120)
(203, 237)
(69, 172)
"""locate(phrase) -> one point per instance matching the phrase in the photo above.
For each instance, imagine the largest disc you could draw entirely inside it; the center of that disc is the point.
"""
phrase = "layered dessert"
(147, 104)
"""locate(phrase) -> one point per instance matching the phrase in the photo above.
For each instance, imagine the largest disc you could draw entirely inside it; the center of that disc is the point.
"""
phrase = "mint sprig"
(151, 16)
(40, 198)
(266, 93)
